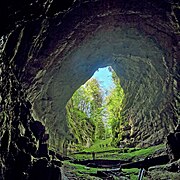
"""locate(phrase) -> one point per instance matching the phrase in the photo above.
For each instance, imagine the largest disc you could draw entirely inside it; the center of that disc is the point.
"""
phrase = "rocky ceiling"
(54, 49)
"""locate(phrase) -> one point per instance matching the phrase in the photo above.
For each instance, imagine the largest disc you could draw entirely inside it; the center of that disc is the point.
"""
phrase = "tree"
(84, 113)
(100, 130)
(114, 105)
(96, 107)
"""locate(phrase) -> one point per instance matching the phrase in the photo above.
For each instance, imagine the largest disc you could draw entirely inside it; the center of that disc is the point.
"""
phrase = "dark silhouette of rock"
(32, 149)
(56, 173)
(173, 144)
(45, 138)
(40, 170)
(43, 169)
(23, 161)
(59, 156)
(23, 142)
(52, 154)
(38, 129)
(173, 168)
(43, 150)
(56, 162)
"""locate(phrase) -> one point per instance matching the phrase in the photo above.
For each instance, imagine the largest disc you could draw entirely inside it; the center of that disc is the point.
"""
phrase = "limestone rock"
(173, 144)
(47, 50)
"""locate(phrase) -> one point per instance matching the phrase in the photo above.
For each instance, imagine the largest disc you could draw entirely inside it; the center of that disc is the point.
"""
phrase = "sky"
(104, 77)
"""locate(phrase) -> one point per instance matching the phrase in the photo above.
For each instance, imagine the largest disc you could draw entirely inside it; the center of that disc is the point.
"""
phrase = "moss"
(82, 171)
(116, 153)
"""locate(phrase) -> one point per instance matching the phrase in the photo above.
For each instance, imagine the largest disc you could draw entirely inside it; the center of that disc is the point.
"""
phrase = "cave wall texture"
(48, 49)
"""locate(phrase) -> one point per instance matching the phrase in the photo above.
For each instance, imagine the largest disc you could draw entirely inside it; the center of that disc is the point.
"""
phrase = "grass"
(81, 170)
(103, 150)
(101, 146)
(116, 153)
(133, 173)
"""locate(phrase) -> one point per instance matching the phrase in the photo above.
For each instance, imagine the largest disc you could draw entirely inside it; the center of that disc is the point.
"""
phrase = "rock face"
(173, 144)
(48, 49)
(141, 44)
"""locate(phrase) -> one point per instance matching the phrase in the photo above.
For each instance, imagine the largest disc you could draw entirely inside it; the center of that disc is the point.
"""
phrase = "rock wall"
(49, 48)
(141, 44)
(24, 147)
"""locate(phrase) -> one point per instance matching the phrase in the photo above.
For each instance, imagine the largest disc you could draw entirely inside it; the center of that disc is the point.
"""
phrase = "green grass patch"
(118, 154)
(133, 173)
(110, 153)
(82, 171)
(146, 151)
(100, 146)
(81, 168)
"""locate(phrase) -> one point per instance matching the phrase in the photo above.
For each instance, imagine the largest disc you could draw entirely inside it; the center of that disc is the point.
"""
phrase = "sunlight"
(94, 110)
(104, 77)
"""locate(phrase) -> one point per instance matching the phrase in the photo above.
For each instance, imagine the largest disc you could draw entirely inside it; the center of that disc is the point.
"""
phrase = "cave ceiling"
(140, 42)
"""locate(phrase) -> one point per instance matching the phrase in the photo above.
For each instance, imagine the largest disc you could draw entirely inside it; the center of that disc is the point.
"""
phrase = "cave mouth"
(140, 62)
(47, 51)
(95, 110)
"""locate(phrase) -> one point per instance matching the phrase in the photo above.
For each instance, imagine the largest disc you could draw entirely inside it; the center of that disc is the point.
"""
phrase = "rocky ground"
(86, 170)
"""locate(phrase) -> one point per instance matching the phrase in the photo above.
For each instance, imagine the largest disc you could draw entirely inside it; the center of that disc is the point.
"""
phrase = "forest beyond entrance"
(94, 112)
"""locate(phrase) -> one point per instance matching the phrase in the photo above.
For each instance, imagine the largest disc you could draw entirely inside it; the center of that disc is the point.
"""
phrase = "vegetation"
(110, 153)
(93, 117)
(114, 105)
(84, 114)
(133, 173)
(133, 154)
(81, 170)
(97, 127)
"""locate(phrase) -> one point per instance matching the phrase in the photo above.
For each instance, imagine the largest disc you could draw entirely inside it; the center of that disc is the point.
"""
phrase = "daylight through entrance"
(94, 112)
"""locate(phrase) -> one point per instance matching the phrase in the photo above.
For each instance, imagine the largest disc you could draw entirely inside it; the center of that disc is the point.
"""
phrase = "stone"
(23, 142)
(167, 171)
(45, 138)
(173, 145)
(23, 161)
(43, 150)
(56, 173)
(43, 169)
(52, 154)
(19, 166)
(40, 170)
(38, 129)
(59, 156)
(56, 162)
(133, 43)
(32, 149)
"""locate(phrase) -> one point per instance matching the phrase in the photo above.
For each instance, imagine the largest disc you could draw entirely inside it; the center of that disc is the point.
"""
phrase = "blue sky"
(104, 77)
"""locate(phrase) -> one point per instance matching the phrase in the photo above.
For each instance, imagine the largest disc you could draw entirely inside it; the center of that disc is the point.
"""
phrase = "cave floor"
(75, 169)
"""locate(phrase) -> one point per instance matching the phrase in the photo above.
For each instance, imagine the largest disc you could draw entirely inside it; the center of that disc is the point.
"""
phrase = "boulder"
(38, 129)
(173, 144)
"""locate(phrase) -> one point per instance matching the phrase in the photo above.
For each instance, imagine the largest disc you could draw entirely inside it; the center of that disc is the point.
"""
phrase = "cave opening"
(48, 50)
(94, 110)
(137, 59)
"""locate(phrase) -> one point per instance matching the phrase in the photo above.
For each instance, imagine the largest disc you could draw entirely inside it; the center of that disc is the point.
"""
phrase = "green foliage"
(87, 110)
(100, 129)
(84, 114)
(110, 152)
(133, 173)
(100, 146)
(114, 105)
(81, 171)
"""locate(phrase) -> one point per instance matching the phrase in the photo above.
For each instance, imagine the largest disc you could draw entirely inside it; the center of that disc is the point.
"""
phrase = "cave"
(48, 49)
